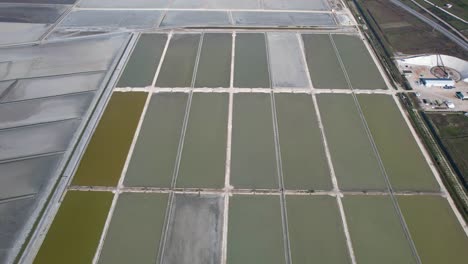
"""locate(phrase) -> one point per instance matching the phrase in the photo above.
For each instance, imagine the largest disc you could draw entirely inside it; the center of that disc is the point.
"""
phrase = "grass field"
(459, 8)
(452, 129)
(407, 34)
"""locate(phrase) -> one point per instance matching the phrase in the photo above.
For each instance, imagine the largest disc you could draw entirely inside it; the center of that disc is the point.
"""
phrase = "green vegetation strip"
(107, 151)
(404, 162)
(438, 236)
(76, 229)
(452, 130)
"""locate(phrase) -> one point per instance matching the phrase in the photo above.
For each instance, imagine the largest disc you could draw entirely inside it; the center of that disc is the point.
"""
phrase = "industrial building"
(430, 82)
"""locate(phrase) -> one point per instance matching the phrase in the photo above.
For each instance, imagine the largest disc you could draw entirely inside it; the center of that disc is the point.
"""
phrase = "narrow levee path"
(227, 172)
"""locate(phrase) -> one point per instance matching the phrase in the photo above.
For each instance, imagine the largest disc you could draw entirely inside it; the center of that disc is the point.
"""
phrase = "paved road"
(433, 24)
(453, 30)
(447, 12)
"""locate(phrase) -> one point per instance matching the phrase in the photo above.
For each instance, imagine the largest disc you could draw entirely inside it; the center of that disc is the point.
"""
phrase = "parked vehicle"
(450, 104)
(461, 96)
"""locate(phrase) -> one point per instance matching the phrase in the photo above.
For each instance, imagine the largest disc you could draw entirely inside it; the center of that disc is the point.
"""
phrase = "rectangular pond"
(44, 110)
(179, 62)
(37, 139)
(216, 4)
(142, 64)
(195, 230)
(14, 33)
(376, 231)
(195, 18)
(302, 154)
(105, 155)
(154, 156)
(403, 160)
(24, 89)
(316, 230)
(124, 3)
(354, 159)
(437, 234)
(361, 69)
(61, 57)
(282, 19)
(251, 62)
(76, 229)
(324, 67)
(253, 160)
(319, 5)
(204, 152)
(111, 20)
(41, 14)
(255, 231)
(214, 66)
(138, 220)
(286, 62)
(26, 176)
(15, 215)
